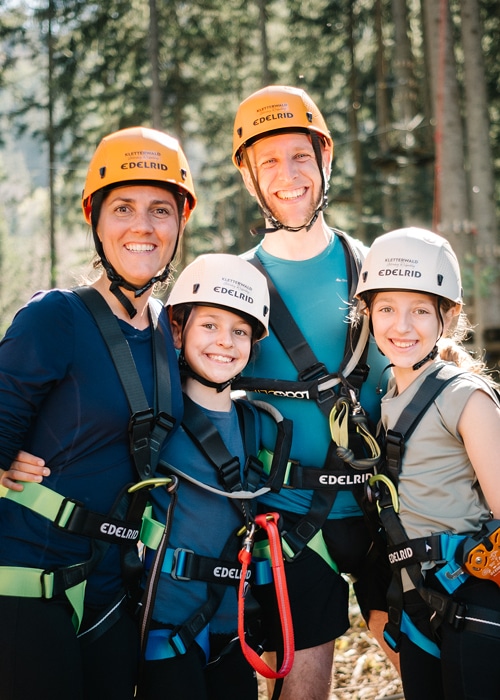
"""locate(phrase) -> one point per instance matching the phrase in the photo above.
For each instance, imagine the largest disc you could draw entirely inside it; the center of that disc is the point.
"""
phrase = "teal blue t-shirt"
(315, 292)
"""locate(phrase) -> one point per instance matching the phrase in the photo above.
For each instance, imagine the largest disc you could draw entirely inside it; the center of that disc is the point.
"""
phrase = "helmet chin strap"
(435, 350)
(118, 282)
(186, 371)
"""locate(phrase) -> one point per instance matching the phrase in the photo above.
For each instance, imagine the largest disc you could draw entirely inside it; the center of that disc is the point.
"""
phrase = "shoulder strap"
(299, 351)
(147, 428)
(411, 416)
(208, 440)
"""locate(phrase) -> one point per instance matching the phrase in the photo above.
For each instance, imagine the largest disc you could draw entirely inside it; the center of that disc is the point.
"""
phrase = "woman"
(66, 631)
(440, 450)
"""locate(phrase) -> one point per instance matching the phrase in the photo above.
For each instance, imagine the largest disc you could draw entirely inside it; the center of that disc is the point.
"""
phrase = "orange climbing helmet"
(273, 109)
(138, 154)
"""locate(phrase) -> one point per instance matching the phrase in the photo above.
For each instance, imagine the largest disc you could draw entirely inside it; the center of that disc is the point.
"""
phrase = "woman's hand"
(26, 467)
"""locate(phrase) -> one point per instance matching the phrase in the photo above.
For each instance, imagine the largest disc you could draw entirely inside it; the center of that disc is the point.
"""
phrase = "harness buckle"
(47, 583)
(65, 512)
(179, 564)
(229, 474)
(316, 371)
(165, 421)
(141, 418)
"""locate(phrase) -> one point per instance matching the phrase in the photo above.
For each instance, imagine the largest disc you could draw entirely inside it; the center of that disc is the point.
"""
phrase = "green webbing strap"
(41, 500)
(266, 457)
(21, 582)
(316, 543)
(151, 530)
(37, 583)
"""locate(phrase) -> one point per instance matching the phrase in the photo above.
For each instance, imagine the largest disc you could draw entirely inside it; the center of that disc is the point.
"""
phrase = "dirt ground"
(362, 671)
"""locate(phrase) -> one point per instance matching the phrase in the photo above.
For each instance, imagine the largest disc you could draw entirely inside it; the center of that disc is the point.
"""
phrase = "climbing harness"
(454, 555)
(122, 524)
(336, 394)
(73, 517)
(185, 564)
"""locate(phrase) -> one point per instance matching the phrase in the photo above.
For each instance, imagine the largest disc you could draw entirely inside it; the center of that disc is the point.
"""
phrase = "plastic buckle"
(230, 474)
(47, 583)
(65, 513)
(163, 420)
(314, 372)
(179, 558)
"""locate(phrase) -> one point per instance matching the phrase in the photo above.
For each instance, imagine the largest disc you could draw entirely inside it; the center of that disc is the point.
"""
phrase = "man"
(314, 372)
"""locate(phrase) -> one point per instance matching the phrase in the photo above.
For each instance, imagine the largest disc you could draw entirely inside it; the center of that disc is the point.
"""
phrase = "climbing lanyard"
(268, 522)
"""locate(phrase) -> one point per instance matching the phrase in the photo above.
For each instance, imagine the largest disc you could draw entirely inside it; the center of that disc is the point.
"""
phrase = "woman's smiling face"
(138, 227)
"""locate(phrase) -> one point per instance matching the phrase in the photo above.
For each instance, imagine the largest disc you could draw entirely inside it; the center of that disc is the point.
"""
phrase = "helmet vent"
(196, 287)
(239, 131)
(183, 173)
(102, 171)
(309, 117)
(440, 280)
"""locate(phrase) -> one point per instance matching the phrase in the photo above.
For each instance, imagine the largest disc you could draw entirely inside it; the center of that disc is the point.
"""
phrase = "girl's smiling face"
(216, 342)
(406, 327)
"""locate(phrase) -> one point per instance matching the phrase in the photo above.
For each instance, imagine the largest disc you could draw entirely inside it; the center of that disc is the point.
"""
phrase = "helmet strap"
(435, 351)
(187, 371)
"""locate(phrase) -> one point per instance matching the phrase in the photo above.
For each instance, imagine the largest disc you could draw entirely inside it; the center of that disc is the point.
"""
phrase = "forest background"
(410, 91)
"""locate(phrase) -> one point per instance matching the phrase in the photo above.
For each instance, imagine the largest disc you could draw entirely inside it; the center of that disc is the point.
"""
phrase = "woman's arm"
(479, 426)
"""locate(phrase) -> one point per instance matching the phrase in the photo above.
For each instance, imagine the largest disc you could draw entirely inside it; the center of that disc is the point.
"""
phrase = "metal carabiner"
(171, 482)
(391, 488)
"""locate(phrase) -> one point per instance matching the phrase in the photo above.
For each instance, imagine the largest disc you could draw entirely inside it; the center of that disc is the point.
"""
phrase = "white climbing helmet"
(226, 281)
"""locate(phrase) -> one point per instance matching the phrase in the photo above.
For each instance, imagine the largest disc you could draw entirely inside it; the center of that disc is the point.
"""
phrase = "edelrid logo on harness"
(344, 479)
(234, 293)
(124, 533)
(286, 394)
(271, 117)
(401, 555)
(225, 572)
(146, 164)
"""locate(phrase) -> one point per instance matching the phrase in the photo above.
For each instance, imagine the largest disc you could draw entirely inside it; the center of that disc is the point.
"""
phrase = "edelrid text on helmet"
(138, 154)
(276, 108)
(411, 259)
(227, 281)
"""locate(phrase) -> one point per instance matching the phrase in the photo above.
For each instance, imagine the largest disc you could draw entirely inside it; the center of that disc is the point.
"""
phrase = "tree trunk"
(406, 117)
(267, 78)
(155, 98)
(481, 183)
(450, 199)
(386, 160)
(354, 105)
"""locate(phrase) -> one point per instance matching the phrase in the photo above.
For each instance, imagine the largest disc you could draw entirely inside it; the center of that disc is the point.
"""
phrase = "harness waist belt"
(185, 565)
(314, 478)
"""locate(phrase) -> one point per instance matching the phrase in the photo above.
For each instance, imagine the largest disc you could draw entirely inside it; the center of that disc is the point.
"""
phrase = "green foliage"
(211, 55)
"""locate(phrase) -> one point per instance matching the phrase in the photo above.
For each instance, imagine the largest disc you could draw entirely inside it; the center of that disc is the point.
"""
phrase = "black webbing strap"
(147, 428)
(291, 338)
(395, 441)
(410, 417)
(208, 440)
(184, 635)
